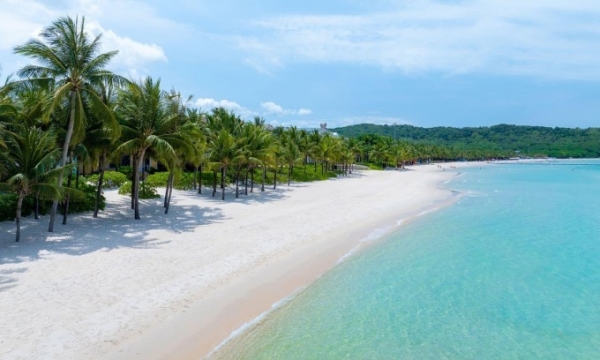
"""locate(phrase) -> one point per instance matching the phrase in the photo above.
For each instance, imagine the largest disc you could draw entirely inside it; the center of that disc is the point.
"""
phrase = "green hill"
(529, 140)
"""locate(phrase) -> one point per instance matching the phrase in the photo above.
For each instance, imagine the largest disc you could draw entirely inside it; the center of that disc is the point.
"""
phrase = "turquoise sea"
(510, 271)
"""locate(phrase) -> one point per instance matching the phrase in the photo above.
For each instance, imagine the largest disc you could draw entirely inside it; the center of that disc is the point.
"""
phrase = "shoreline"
(235, 316)
(375, 237)
(179, 285)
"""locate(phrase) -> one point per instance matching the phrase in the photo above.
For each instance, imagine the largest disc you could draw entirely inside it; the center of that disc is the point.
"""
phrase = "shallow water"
(511, 271)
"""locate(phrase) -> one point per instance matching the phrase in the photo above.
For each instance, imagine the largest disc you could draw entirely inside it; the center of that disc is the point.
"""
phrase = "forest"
(534, 141)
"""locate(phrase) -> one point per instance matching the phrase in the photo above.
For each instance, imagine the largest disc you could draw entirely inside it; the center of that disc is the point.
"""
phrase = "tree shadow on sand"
(8, 281)
(254, 197)
(114, 228)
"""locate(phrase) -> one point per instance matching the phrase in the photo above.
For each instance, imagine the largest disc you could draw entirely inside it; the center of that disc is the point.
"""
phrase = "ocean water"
(510, 271)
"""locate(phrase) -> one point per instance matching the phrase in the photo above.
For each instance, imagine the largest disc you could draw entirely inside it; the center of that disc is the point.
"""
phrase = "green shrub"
(183, 181)
(86, 202)
(111, 179)
(77, 204)
(372, 166)
(158, 179)
(146, 191)
(8, 206)
(127, 171)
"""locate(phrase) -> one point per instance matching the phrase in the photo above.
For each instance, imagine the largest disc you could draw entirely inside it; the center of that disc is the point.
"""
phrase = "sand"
(177, 285)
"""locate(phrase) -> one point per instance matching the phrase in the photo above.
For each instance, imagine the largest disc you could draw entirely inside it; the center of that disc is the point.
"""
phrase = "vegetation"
(67, 62)
(110, 179)
(513, 140)
(145, 191)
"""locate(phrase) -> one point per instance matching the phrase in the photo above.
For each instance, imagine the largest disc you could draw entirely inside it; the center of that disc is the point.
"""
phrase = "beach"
(178, 285)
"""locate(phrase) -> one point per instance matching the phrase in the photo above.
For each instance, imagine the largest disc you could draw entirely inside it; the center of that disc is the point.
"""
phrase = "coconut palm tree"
(147, 124)
(263, 149)
(200, 155)
(290, 155)
(379, 153)
(396, 153)
(356, 147)
(70, 61)
(31, 156)
(224, 152)
(223, 130)
(102, 135)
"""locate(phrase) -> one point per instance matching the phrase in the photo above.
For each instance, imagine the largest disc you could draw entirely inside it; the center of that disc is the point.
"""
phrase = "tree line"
(534, 141)
(66, 112)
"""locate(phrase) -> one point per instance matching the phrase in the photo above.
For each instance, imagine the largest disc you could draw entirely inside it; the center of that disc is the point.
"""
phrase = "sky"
(427, 63)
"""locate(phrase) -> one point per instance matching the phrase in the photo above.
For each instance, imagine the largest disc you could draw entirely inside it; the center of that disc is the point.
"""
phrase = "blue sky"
(421, 62)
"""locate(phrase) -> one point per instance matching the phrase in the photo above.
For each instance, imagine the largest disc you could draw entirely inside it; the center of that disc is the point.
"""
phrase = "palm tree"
(184, 148)
(264, 148)
(396, 153)
(290, 155)
(356, 147)
(31, 156)
(146, 123)
(200, 154)
(223, 130)
(224, 151)
(70, 61)
(379, 153)
(102, 135)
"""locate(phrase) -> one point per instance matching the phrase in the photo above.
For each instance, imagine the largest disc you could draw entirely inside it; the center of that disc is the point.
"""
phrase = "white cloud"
(21, 21)
(24, 19)
(547, 38)
(210, 103)
(273, 108)
(132, 54)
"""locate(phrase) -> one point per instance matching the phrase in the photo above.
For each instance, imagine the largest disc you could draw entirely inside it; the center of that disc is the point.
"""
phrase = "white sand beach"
(177, 285)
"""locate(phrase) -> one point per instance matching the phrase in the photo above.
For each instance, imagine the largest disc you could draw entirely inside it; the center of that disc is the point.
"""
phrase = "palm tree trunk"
(137, 186)
(18, 215)
(200, 181)
(169, 192)
(195, 176)
(214, 183)
(223, 174)
(143, 166)
(66, 203)
(63, 160)
(99, 186)
(264, 173)
(289, 175)
(237, 182)
(275, 178)
(36, 210)
(252, 181)
(246, 182)
(167, 189)
(133, 182)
